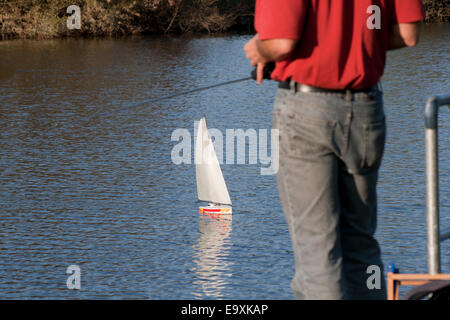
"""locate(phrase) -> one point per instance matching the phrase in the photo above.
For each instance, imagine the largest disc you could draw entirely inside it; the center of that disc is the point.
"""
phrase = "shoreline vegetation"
(44, 19)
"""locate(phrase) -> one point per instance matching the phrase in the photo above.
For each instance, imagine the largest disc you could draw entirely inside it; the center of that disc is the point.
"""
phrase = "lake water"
(85, 180)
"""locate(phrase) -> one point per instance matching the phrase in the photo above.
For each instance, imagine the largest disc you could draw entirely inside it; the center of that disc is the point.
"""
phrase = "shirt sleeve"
(280, 19)
(407, 11)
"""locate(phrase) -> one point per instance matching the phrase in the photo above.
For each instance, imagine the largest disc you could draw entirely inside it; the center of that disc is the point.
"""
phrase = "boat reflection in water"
(213, 266)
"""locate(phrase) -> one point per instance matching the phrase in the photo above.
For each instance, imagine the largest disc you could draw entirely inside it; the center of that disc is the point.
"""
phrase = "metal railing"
(431, 158)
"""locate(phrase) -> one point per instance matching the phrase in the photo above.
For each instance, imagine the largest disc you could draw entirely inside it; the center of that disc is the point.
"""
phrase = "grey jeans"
(331, 146)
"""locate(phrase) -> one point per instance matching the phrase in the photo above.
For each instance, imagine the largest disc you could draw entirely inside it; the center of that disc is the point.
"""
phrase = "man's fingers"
(252, 53)
(260, 72)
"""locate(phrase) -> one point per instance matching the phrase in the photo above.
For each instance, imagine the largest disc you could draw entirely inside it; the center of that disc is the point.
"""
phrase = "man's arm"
(261, 52)
(276, 49)
(404, 35)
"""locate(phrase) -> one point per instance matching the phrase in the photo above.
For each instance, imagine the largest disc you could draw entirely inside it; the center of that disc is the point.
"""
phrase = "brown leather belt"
(298, 87)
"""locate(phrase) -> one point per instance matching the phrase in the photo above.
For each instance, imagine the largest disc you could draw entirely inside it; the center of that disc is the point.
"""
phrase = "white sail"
(211, 186)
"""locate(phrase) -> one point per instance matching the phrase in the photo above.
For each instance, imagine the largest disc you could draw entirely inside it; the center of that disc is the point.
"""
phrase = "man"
(330, 56)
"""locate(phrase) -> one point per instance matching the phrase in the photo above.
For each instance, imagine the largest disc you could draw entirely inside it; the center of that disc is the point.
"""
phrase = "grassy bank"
(48, 18)
(437, 10)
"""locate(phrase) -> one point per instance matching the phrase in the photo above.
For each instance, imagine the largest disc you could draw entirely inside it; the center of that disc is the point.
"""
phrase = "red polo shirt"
(340, 46)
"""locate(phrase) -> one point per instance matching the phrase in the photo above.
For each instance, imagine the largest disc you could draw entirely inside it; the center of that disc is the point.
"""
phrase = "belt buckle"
(305, 88)
(299, 87)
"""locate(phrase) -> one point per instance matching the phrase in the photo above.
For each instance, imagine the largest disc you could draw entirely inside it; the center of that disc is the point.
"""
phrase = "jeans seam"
(365, 146)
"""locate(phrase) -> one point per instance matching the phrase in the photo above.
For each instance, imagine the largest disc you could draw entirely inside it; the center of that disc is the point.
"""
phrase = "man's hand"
(404, 35)
(261, 52)
(255, 57)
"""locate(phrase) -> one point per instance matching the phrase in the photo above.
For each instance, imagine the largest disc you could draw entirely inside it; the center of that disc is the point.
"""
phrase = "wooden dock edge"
(394, 280)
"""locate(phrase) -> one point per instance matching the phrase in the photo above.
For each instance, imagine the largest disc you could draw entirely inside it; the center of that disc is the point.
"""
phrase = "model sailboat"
(211, 185)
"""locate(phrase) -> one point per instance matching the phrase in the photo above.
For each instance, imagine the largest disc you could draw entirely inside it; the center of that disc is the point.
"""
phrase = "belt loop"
(380, 86)
(348, 95)
(293, 86)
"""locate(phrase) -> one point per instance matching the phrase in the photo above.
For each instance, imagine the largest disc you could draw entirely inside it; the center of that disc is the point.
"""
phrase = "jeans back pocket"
(308, 137)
